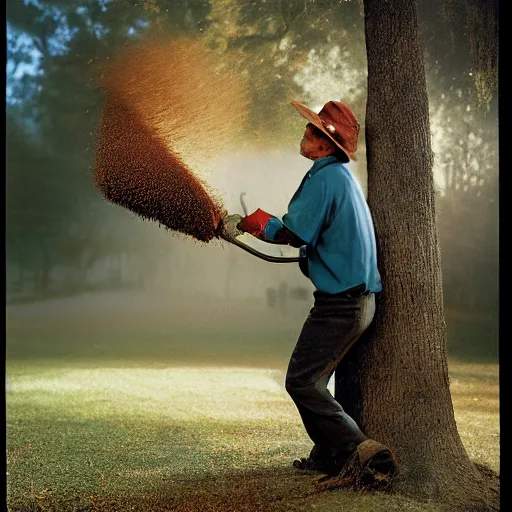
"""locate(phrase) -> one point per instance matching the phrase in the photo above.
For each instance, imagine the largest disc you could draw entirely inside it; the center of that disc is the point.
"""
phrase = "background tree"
(55, 215)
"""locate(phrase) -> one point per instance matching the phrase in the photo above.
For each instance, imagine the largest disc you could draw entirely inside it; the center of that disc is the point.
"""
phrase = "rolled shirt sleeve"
(272, 227)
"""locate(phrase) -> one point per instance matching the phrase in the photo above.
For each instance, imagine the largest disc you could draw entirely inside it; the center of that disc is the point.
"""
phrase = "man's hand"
(255, 223)
(229, 227)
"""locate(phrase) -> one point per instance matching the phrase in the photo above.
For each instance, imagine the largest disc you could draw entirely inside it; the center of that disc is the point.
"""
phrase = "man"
(328, 218)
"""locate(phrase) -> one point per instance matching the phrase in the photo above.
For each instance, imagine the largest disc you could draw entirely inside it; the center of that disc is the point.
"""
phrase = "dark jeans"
(334, 323)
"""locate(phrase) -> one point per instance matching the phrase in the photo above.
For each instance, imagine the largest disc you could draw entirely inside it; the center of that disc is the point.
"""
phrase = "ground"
(114, 403)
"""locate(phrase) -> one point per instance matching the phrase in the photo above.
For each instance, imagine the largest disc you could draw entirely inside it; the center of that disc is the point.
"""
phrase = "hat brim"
(315, 119)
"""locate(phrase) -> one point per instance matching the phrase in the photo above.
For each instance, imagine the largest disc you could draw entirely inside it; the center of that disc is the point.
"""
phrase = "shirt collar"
(322, 162)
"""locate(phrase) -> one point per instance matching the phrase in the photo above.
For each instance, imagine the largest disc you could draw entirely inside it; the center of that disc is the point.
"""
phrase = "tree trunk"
(395, 381)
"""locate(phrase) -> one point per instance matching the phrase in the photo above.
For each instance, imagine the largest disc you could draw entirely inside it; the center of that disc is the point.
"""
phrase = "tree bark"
(394, 382)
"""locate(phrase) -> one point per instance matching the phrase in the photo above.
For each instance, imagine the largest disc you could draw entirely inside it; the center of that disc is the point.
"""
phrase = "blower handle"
(242, 202)
(267, 257)
(230, 233)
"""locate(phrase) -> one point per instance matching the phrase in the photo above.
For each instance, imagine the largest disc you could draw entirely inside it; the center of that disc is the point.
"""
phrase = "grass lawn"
(103, 418)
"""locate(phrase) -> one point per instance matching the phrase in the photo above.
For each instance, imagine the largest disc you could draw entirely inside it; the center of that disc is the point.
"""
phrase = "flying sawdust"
(169, 108)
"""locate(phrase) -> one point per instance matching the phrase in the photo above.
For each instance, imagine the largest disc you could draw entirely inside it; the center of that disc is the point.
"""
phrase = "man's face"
(314, 145)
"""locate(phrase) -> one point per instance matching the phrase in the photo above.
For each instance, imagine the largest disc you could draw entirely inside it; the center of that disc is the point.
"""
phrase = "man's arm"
(270, 229)
(285, 237)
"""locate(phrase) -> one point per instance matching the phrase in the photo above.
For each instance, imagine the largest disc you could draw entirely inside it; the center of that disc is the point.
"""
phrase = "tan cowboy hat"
(337, 121)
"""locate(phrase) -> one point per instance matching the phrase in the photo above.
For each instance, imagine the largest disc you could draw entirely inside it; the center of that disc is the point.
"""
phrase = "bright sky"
(23, 39)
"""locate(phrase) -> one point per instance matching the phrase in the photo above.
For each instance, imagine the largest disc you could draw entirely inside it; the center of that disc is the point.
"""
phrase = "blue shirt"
(330, 214)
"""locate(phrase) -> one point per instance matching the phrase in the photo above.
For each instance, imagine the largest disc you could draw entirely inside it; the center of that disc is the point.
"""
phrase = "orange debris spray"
(169, 107)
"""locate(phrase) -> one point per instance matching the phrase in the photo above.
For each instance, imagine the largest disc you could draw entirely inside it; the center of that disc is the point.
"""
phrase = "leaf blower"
(168, 107)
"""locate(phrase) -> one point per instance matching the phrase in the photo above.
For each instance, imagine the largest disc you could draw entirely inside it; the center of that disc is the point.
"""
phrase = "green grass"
(107, 410)
(190, 437)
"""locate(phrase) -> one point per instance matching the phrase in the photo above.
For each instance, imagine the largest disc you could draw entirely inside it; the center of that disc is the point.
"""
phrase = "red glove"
(255, 223)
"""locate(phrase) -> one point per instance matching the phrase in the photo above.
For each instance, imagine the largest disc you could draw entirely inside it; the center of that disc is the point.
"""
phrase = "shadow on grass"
(267, 490)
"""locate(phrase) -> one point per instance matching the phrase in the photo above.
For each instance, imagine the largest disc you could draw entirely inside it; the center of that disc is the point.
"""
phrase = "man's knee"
(298, 388)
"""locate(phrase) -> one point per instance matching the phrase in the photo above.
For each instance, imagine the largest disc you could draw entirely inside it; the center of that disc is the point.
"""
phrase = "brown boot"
(371, 466)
